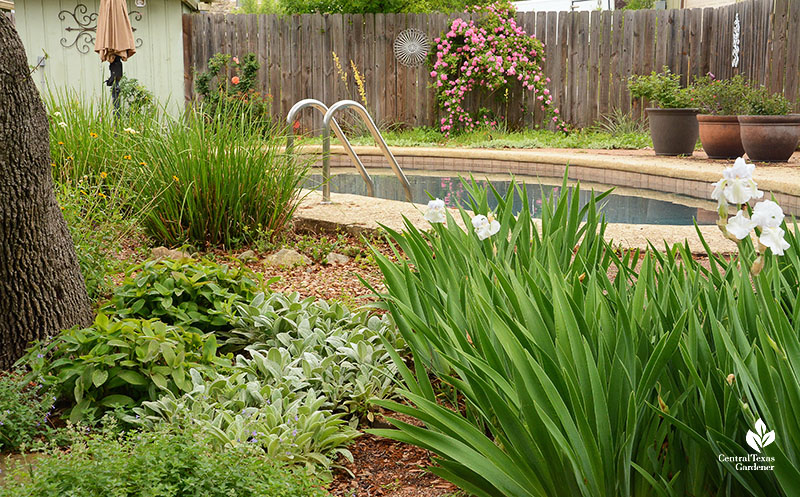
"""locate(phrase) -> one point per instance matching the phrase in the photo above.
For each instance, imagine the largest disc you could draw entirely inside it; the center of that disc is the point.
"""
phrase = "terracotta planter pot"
(674, 131)
(770, 138)
(720, 136)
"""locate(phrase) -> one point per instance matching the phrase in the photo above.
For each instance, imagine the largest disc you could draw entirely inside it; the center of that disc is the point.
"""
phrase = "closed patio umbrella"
(114, 41)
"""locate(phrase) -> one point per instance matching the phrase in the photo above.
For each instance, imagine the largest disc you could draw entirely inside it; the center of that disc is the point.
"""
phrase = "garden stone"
(247, 255)
(287, 258)
(159, 253)
(334, 258)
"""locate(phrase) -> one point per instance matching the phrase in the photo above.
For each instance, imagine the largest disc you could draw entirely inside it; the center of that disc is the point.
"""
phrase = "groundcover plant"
(577, 369)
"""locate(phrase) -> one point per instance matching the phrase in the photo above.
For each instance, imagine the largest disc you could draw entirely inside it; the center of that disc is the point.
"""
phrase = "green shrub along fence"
(589, 56)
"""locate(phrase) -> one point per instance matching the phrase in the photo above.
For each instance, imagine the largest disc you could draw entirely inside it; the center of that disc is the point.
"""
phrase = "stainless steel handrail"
(376, 135)
(326, 146)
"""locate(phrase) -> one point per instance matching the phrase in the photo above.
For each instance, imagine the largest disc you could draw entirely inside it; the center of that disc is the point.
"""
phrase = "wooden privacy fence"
(589, 56)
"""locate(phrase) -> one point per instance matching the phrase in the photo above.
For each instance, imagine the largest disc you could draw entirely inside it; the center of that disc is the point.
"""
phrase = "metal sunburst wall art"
(411, 47)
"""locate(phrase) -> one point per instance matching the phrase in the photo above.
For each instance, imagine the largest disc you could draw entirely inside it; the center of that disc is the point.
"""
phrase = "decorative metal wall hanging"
(411, 47)
(736, 34)
(87, 27)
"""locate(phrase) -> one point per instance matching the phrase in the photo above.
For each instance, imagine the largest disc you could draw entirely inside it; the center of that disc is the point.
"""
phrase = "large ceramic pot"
(674, 131)
(720, 136)
(770, 138)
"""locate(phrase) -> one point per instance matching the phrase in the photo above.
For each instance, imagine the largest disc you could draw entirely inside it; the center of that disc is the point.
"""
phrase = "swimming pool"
(622, 206)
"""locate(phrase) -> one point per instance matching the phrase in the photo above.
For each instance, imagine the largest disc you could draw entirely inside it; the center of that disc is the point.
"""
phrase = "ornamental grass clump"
(584, 371)
(490, 52)
(215, 177)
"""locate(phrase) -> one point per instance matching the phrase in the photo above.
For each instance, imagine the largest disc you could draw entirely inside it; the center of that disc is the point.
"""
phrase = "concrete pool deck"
(360, 214)
(631, 169)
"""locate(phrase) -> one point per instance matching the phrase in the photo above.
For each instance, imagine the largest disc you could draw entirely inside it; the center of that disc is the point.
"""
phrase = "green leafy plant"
(134, 96)
(574, 382)
(196, 295)
(238, 410)
(228, 81)
(663, 89)
(215, 177)
(119, 363)
(159, 463)
(725, 97)
(342, 355)
(24, 411)
(762, 102)
(304, 379)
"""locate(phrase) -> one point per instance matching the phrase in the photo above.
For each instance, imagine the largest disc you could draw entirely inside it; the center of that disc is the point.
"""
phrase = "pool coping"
(686, 176)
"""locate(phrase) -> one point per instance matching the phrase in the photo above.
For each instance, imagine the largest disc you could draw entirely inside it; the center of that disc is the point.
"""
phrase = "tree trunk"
(41, 286)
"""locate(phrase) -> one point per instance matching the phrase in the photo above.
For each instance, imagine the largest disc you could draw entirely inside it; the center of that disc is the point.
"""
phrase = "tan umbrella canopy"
(114, 34)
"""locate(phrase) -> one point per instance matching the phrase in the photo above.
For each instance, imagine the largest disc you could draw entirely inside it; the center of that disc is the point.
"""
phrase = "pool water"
(618, 208)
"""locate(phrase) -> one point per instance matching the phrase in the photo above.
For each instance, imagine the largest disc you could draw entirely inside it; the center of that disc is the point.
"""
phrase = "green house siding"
(48, 26)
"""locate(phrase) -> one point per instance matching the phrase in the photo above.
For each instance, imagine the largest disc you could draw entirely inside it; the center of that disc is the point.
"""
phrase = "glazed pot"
(770, 138)
(720, 136)
(674, 131)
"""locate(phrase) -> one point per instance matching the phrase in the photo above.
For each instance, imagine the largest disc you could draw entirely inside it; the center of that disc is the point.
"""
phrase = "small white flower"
(768, 214)
(131, 131)
(436, 212)
(773, 238)
(62, 124)
(485, 227)
(740, 226)
(57, 114)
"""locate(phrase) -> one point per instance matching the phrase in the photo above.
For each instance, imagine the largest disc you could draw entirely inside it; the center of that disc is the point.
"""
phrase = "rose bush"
(490, 52)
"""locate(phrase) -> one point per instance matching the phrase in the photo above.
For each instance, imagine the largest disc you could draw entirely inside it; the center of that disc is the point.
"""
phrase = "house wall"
(48, 26)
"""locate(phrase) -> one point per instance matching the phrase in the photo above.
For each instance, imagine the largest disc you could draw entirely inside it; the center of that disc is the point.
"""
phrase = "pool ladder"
(330, 123)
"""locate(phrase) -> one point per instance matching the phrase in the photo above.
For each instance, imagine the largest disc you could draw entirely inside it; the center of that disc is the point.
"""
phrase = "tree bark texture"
(41, 287)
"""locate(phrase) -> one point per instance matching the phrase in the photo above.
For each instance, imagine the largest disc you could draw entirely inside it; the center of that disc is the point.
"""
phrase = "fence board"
(595, 44)
(588, 57)
(604, 106)
(792, 83)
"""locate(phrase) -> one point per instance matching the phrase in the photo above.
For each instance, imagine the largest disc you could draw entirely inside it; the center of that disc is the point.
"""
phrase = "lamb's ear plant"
(578, 370)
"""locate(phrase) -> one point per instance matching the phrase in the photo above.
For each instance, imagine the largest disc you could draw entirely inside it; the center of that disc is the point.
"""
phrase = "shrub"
(24, 412)
(119, 363)
(762, 102)
(488, 53)
(724, 97)
(134, 96)
(575, 382)
(662, 89)
(214, 178)
(229, 85)
(196, 295)
(157, 464)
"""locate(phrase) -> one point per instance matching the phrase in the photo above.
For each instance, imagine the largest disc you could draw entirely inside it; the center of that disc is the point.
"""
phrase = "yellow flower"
(69, 157)
(127, 157)
(53, 164)
(103, 174)
(93, 135)
(60, 143)
(101, 194)
(84, 193)
(143, 163)
(175, 178)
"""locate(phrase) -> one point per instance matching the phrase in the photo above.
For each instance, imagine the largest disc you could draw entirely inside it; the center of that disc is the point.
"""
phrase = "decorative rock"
(287, 258)
(247, 255)
(159, 253)
(334, 258)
